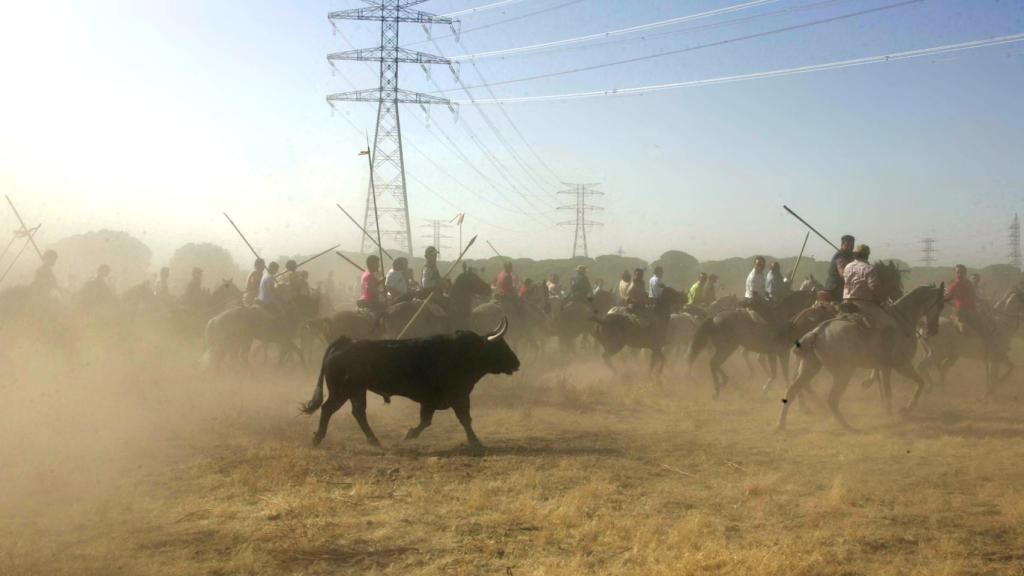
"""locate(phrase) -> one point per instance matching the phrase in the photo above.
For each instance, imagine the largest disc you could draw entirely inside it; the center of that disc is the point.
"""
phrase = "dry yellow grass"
(145, 466)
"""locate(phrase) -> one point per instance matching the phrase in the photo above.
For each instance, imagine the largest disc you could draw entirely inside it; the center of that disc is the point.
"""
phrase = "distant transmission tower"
(928, 251)
(1014, 241)
(436, 236)
(388, 174)
(582, 192)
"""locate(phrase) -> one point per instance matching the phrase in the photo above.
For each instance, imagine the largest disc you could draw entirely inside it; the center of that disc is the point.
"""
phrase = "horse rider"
(267, 297)
(636, 297)
(194, 294)
(964, 296)
(370, 289)
(554, 286)
(834, 280)
(755, 288)
(624, 282)
(979, 292)
(656, 285)
(301, 284)
(505, 288)
(162, 290)
(695, 295)
(579, 286)
(288, 281)
(96, 292)
(396, 283)
(861, 284)
(775, 283)
(252, 283)
(44, 283)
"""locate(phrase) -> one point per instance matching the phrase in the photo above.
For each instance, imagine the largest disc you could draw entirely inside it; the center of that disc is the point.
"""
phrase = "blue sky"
(157, 116)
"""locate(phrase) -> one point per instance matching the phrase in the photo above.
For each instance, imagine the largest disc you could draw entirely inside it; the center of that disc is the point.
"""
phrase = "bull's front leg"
(461, 407)
(426, 417)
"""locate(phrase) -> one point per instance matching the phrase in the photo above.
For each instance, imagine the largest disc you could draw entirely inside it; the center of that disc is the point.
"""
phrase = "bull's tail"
(318, 392)
(700, 339)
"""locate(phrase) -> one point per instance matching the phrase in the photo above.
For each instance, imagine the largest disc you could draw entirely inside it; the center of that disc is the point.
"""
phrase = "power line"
(500, 22)
(707, 45)
(490, 6)
(582, 207)
(612, 33)
(640, 90)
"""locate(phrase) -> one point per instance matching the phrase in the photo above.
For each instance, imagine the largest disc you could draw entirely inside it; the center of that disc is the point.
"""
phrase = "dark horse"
(466, 287)
(618, 329)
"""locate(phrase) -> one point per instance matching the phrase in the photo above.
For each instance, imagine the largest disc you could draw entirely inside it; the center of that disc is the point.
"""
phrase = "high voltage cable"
(612, 33)
(480, 8)
(639, 90)
(458, 152)
(707, 45)
(500, 22)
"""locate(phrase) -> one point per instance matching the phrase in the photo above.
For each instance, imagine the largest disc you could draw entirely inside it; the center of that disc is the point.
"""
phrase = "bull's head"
(501, 358)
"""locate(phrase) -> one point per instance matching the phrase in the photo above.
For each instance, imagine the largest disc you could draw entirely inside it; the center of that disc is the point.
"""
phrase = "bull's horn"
(499, 331)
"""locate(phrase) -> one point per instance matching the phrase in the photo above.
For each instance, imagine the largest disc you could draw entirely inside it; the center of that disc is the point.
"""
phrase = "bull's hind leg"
(334, 401)
(359, 413)
(461, 407)
(426, 417)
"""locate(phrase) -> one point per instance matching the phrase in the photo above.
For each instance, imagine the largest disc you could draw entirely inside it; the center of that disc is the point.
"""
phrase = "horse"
(843, 344)
(951, 343)
(759, 330)
(467, 287)
(618, 329)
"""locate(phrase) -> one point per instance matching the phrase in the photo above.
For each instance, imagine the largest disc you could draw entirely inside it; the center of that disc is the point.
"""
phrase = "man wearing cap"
(834, 281)
(430, 278)
(579, 286)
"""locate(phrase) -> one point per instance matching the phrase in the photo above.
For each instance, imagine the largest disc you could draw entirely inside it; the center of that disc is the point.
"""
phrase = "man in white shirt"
(756, 280)
(656, 283)
(397, 283)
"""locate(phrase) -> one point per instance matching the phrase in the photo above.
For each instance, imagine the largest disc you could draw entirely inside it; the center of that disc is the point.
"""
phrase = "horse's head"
(890, 280)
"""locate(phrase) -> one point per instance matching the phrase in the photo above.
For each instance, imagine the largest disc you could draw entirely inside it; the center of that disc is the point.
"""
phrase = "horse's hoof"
(412, 434)
(476, 449)
(373, 442)
(317, 439)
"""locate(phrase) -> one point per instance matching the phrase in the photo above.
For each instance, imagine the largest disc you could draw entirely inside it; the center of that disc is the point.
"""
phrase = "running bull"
(438, 372)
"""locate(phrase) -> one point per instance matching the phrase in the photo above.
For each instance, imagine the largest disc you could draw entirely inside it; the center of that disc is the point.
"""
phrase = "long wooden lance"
(308, 260)
(349, 260)
(20, 252)
(432, 292)
(811, 228)
(253, 250)
(363, 230)
(376, 219)
(493, 248)
(792, 275)
(8, 247)
(24, 228)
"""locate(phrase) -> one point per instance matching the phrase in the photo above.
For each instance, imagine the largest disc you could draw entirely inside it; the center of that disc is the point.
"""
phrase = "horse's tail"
(700, 339)
(318, 392)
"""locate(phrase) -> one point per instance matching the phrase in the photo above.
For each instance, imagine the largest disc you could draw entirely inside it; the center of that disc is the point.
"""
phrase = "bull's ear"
(499, 331)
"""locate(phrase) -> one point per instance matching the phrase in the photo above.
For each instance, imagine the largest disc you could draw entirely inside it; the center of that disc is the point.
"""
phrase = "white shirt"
(656, 286)
(756, 284)
(396, 283)
(267, 284)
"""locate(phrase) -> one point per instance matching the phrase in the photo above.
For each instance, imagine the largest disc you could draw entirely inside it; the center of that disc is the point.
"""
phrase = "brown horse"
(618, 329)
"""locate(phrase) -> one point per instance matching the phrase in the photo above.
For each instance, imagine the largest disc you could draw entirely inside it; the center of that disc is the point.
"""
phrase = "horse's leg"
(840, 380)
(808, 369)
(746, 360)
(335, 400)
(771, 373)
(426, 417)
(718, 375)
(359, 413)
(907, 370)
(944, 367)
(885, 389)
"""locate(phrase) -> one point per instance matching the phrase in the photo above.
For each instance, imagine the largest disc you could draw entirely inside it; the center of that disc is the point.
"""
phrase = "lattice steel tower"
(1014, 242)
(582, 192)
(388, 172)
(928, 251)
(437, 235)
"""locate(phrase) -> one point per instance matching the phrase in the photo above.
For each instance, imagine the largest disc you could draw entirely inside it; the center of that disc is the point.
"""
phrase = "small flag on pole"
(459, 218)
(364, 152)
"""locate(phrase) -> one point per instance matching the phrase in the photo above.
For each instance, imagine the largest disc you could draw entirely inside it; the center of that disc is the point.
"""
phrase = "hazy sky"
(155, 117)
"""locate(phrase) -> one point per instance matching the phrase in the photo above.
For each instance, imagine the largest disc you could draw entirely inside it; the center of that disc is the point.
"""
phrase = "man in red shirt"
(964, 298)
(369, 287)
(505, 289)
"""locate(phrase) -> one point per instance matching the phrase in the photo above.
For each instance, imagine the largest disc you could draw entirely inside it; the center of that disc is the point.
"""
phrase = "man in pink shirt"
(369, 287)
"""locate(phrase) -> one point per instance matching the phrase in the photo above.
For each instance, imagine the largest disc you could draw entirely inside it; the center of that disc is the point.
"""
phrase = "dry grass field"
(136, 463)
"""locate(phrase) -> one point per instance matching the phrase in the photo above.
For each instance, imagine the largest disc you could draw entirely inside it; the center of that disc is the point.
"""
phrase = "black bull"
(438, 372)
